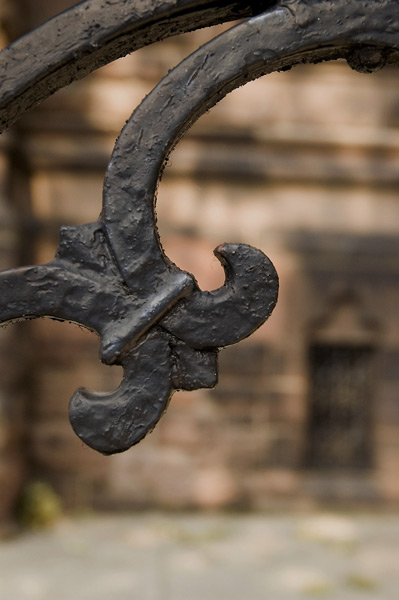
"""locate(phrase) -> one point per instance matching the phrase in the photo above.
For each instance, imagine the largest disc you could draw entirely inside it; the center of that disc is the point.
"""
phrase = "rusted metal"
(113, 276)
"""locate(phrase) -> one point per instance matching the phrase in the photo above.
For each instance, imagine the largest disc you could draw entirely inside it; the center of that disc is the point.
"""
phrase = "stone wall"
(14, 354)
(300, 164)
(12, 395)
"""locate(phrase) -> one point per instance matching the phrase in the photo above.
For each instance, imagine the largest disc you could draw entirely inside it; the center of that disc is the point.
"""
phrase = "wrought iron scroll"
(112, 276)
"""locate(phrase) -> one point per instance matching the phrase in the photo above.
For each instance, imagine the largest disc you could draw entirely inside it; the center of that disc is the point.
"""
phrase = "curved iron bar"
(113, 276)
(269, 42)
(94, 33)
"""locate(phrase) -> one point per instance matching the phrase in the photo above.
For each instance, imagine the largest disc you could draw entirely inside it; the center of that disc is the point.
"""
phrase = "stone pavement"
(206, 557)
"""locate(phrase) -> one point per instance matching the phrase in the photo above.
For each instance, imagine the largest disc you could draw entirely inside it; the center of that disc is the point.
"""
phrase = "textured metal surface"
(113, 276)
(94, 33)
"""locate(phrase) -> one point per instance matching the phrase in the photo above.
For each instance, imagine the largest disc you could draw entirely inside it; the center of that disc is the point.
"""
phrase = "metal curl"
(158, 365)
(235, 310)
(113, 422)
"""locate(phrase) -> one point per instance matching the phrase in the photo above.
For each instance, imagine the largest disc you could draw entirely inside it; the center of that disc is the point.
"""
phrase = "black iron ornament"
(112, 276)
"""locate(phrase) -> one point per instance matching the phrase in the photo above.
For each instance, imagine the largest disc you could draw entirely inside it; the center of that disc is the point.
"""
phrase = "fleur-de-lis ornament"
(112, 276)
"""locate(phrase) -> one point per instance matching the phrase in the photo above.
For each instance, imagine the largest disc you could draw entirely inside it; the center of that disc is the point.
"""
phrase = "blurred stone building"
(302, 165)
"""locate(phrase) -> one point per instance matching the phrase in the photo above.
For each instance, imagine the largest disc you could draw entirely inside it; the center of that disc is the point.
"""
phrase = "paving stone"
(206, 556)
